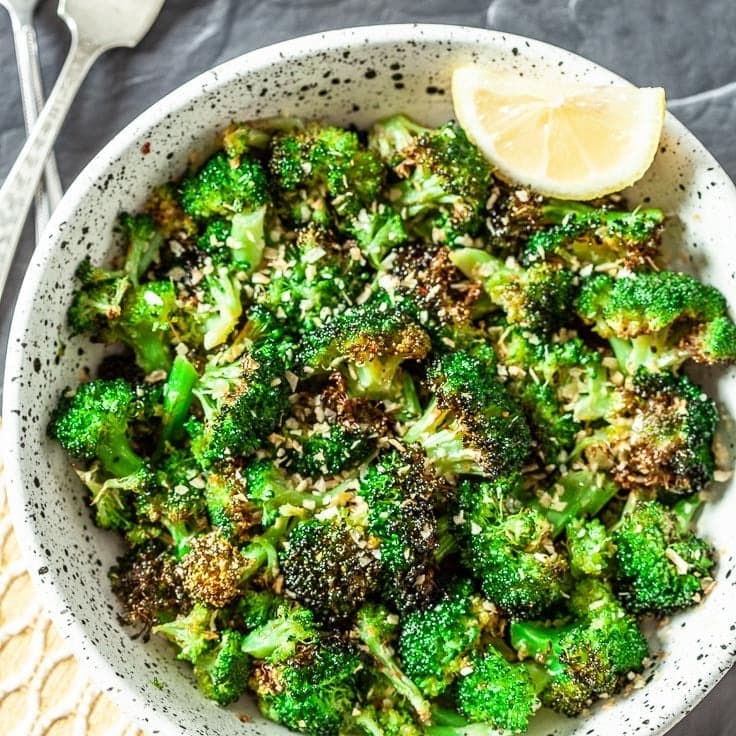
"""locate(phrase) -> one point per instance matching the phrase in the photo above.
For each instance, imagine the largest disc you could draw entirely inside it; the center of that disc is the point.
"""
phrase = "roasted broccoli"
(471, 424)
(658, 319)
(660, 564)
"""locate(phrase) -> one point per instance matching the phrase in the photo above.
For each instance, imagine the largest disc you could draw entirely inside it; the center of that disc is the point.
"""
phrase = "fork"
(96, 26)
(31, 87)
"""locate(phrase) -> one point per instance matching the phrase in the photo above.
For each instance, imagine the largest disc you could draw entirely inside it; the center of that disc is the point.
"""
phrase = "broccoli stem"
(262, 549)
(372, 634)
(178, 397)
(117, 456)
(583, 494)
(685, 512)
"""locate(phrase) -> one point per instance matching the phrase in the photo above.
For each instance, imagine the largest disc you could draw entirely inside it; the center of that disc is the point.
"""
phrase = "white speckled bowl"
(349, 76)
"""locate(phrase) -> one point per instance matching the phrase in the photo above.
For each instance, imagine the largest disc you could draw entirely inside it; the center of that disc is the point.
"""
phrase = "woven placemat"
(43, 691)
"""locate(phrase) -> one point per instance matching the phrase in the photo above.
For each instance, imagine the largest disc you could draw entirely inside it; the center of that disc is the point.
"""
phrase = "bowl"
(347, 76)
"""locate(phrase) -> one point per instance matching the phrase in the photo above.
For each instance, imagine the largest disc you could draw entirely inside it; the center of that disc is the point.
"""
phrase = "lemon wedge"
(561, 139)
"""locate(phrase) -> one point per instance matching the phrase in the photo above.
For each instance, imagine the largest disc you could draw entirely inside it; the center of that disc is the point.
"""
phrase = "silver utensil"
(96, 26)
(31, 89)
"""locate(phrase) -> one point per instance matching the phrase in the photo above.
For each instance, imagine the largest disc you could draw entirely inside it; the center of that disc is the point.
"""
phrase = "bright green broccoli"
(445, 180)
(590, 547)
(192, 634)
(368, 343)
(144, 242)
(435, 644)
(223, 187)
(377, 628)
(658, 320)
(93, 424)
(222, 672)
(313, 691)
(277, 639)
(661, 566)
(497, 692)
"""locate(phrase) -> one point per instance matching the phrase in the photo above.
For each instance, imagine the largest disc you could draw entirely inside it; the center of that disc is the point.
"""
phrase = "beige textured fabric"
(42, 690)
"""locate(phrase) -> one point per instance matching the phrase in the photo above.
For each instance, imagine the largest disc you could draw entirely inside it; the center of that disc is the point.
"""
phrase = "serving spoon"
(96, 26)
(31, 89)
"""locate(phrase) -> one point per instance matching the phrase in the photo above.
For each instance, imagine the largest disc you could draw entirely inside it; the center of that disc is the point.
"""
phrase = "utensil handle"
(31, 88)
(16, 193)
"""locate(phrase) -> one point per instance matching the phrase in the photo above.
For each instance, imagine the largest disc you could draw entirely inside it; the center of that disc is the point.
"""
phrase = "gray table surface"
(686, 46)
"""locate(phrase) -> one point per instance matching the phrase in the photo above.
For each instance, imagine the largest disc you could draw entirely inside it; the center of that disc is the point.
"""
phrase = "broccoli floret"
(212, 570)
(445, 182)
(164, 208)
(435, 644)
(144, 242)
(222, 672)
(313, 691)
(471, 424)
(243, 401)
(441, 299)
(240, 138)
(277, 639)
(332, 449)
(377, 232)
(93, 424)
(590, 547)
(276, 496)
(539, 298)
(332, 564)
(223, 187)
(110, 309)
(314, 278)
(658, 320)
(588, 658)
(400, 514)
(149, 588)
(497, 692)
(193, 634)
(391, 138)
(228, 507)
(377, 629)
(607, 239)
(368, 343)
(255, 608)
(659, 435)
(661, 565)
(320, 167)
(514, 559)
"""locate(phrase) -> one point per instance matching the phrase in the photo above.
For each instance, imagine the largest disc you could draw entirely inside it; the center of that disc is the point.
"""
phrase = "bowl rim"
(128, 697)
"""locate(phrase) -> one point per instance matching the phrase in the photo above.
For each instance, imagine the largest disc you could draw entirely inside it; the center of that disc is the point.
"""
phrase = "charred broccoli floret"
(471, 424)
(588, 658)
(368, 343)
(539, 297)
(445, 178)
(398, 493)
(331, 564)
(313, 691)
(608, 239)
(658, 320)
(661, 565)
